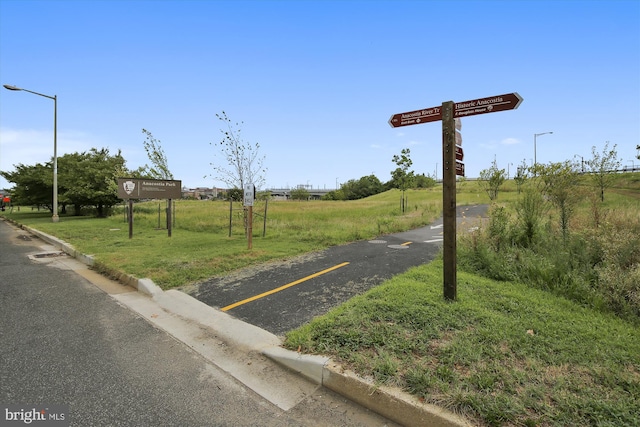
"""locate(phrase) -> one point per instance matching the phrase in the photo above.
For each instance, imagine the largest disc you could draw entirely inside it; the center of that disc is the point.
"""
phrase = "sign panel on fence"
(136, 188)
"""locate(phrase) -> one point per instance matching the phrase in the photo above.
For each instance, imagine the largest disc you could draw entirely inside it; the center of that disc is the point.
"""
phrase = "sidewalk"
(247, 352)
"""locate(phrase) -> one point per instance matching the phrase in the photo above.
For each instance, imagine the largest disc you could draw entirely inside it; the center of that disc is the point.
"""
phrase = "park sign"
(492, 104)
(137, 188)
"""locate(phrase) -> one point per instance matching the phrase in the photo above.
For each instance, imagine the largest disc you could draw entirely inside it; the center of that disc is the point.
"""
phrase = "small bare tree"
(603, 167)
(159, 168)
(242, 162)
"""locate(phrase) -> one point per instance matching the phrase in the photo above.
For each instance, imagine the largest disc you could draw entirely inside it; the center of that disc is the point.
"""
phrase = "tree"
(361, 188)
(84, 179)
(159, 168)
(300, 194)
(33, 184)
(402, 178)
(90, 179)
(558, 182)
(521, 175)
(491, 179)
(242, 161)
(334, 195)
(424, 181)
(602, 167)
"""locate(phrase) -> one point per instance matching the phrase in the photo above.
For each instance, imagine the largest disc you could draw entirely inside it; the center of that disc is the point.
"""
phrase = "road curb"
(393, 404)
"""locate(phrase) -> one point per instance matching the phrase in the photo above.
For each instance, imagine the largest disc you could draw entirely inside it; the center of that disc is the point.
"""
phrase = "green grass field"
(504, 353)
(200, 246)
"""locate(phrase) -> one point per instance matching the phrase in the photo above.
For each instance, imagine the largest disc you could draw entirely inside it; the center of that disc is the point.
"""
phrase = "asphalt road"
(281, 296)
(64, 341)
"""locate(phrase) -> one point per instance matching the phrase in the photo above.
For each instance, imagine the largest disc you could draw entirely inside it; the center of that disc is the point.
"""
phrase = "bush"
(596, 267)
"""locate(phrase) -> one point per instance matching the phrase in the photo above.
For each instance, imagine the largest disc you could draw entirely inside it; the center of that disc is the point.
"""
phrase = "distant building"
(202, 193)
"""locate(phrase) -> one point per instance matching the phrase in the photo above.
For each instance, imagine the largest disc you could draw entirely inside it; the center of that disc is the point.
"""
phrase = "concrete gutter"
(391, 403)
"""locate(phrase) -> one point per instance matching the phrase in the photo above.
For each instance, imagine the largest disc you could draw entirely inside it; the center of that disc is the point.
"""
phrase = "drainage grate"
(24, 237)
(377, 241)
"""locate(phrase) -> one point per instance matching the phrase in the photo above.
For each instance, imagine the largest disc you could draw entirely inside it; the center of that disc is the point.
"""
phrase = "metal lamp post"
(55, 217)
(535, 137)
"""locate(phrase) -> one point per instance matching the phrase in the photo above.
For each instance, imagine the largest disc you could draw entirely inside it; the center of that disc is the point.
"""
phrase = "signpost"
(452, 156)
(249, 196)
(136, 188)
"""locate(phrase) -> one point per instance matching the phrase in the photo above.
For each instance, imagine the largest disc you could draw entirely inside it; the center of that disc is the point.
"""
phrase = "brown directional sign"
(416, 117)
(459, 169)
(492, 104)
(459, 153)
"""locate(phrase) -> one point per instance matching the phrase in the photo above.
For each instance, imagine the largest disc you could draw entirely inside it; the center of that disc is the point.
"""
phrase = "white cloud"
(510, 141)
(28, 146)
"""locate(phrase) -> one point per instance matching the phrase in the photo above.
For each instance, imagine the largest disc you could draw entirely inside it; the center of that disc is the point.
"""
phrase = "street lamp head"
(11, 87)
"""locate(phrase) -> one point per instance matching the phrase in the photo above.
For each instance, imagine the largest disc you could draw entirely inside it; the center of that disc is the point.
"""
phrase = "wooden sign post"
(452, 155)
(449, 201)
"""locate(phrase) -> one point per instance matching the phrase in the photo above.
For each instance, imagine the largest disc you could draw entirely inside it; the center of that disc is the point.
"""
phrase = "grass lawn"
(503, 354)
(200, 246)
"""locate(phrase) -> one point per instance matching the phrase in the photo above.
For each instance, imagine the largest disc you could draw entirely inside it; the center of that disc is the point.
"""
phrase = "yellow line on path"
(281, 288)
(406, 243)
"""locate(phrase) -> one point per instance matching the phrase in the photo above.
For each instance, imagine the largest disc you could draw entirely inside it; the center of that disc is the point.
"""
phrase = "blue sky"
(315, 82)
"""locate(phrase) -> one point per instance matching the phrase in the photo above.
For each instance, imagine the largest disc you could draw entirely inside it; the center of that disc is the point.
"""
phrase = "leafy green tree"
(492, 179)
(602, 167)
(235, 194)
(424, 181)
(530, 208)
(242, 163)
(90, 179)
(33, 184)
(361, 188)
(559, 183)
(300, 194)
(84, 179)
(334, 195)
(402, 178)
(521, 175)
(159, 168)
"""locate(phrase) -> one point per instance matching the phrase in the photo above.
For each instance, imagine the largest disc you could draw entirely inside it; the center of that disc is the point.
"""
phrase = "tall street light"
(55, 217)
(535, 137)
